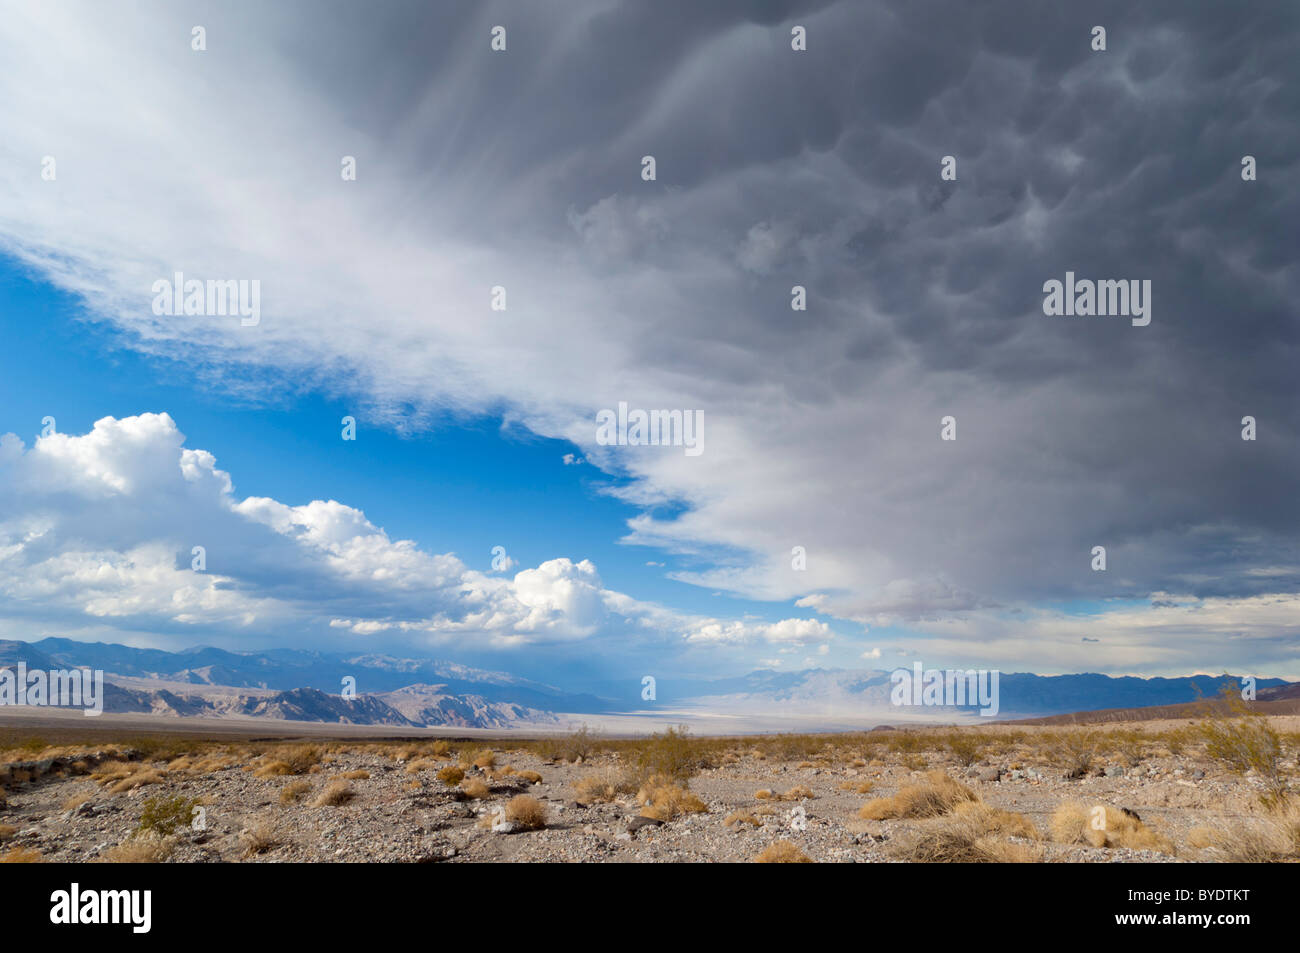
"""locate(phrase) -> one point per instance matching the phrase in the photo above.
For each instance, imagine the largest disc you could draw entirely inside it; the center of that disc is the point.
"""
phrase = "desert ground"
(1190, 790)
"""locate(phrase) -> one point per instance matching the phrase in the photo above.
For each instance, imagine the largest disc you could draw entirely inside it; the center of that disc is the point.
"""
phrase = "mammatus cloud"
(128, 526)
(521, 170)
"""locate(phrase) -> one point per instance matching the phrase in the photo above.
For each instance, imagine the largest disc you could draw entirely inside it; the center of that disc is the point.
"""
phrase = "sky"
(824, 520)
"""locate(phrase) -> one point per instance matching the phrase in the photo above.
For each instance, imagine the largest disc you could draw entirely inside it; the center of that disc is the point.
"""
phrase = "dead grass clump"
(857, 787)
(484, 758)
(336, 793)
(798, 793)
(1272, 837)
(257, 838)
(74, 802)
(21, 855)
(782, 852)
(144, 847)
(359, 775)
(451, 774)
(594, 788)
(532, 777)
(1104, 826)
(934, 798)
(110, 772)
(293, 791)
(475, 788)
(741, 817)
(763, 795)
(664, 801)
(289, 759)
(526, 812)
(7, 831)
(137, 780)
(301, 758)
(971, 833)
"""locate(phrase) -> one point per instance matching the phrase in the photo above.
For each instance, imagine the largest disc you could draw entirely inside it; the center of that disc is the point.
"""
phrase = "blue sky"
(462, 486)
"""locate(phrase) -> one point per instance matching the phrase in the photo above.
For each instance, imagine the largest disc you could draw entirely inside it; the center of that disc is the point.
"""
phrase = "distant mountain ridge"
(302, 685)
(1020, 693)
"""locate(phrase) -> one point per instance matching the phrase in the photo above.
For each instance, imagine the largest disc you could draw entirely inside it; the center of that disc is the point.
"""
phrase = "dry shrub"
(293, 791)
(526, 812)
(475, 788)
(671, 754)
(764, 810)
(144, 847)
(937, 796)
(257, 838)
(532, 777)
(763, 795)
(451, 774)
(966, 747)
(971, 833)
(165, 814)
(1074, 750)
(665, 801)
(1242, 739)
(741, 817)
(782, 852)
(798, 793)
(273, 769)
(21, 855)
(358, 775)
(336, 793)
(7, 831)
(1076, 823)
(594, 788)
(484, 758)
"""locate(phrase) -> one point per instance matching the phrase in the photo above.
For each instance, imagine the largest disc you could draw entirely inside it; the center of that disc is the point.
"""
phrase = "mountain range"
(302, 685)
